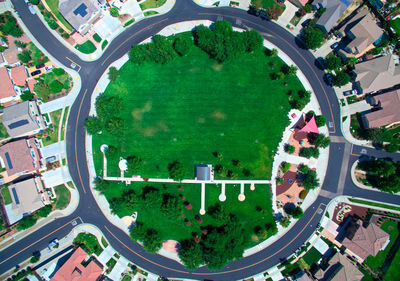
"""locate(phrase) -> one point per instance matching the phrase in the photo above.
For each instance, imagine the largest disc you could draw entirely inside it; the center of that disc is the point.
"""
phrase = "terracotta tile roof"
(18, 75)
(73, 270)
(366, 241)
(388, 114)
(17, 157)
(7, 89)
(31, 83)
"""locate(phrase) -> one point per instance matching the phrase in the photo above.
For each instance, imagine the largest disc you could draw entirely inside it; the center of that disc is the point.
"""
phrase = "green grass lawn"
(37, 56)
(97, 37)
(312, 256)
(104, 44)
(395, 24)
(3, 130)
(63, 196)
(265, 4)
(171, 229)
(149, 4)
(150, 13)
(53, 136)
(376, 262)
(64, 122)
(87, 48)
(53, 5)
(393, 273)
(90, 241)
(193, 106)
(6, 195)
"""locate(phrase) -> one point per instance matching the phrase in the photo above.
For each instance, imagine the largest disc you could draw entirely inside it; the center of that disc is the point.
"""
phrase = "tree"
(351, 61)
(134, 163)
(45, 211)
(35, 258)
(101, 185)
(375, 135)
(138, 54)
(115, 126)
(182, 45)
(308, 177)
(20, 44)
(190, 254)
(152, 241)
(176, 171)
(320, 11)
(34, 2)
(309, 152)
(112, 152)
(321, 140)
(26, 223)
(160, 51)
(56, 86)
(308, 8)
(313, 37)
(274, 52)
(42, 90)
(285, 222)
(320, 120)
(290, 148)
(391, 147)
(332, 62)
(341, 79)
(25, 96)
(295, 211)
(108, 106)
(114, 12)
(292, 70)
(172, 207)
(285, 166)
(93, 125)
(53, 25)
(254, 40)
(113, 73)
(24, 56)
(274, 12)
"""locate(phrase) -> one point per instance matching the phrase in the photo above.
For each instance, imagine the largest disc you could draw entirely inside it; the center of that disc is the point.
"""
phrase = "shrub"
(113, 74)
(320, 120)
(24, 56)
(26, 223)
(309, 152)
(93, 125)
(290, 149)
(45, 211)
(303, 194)
(56, 86)
(285, 222)
(285, 166)
(58, 71)
(25, 96)
(182, 45)
(274, 12)
(34, 259)
(20, 44)
(114, 12)
(308, 8)
(176, 170)
(34, 2)
(391, 147)
(341, 79)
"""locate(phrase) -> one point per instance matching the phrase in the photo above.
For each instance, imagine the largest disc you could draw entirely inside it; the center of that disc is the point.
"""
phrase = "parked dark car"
(253, 12)
(335, 45)
(36, 72)
(39, 66)
(328, 79)
(350, 92)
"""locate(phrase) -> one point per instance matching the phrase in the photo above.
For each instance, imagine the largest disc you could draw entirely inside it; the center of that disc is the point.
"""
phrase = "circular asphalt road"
(337, 181)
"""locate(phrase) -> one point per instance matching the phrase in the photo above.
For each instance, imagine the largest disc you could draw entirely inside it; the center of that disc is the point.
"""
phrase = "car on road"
(31, 9)
(54, 244)
(335, 45)
(328, 79)
(36, 72)
(350, 92)
(39, 66)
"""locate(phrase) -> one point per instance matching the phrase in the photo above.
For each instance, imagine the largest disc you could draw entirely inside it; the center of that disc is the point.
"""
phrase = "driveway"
(106, 26)
(53, 149)
(358, 107)
(56, 177)
(132, 7)
(120, 267)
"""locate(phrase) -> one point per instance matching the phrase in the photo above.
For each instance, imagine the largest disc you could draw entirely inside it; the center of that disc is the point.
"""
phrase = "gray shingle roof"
(334, 9)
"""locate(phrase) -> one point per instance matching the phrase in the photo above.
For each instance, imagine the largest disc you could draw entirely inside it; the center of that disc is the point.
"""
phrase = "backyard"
(5, 193)
(51, 84)
(51, 135)
(194, 110)
(3, 130)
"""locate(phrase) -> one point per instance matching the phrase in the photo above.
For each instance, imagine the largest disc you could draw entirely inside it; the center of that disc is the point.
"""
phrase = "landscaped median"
(221, 99)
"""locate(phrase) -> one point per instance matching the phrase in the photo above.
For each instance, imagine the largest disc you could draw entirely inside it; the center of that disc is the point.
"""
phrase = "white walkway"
(56, 177)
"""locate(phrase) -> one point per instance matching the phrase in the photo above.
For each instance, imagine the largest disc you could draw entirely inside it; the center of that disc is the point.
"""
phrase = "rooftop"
(73, 270)
(388, 114)
(25, 197)
(7, 88)
(78, 13)
(334, 9)
(18, 75)
(18, 157)
(340, 269)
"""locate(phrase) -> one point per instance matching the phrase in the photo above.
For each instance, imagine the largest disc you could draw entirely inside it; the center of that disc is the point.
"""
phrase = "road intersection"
(337, 181)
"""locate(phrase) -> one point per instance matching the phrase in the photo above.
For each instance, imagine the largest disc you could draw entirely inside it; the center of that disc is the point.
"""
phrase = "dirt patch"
(194, 69)
(150, 131)
(138, 112)
(201, 120)
(217, 67)
(218, 115)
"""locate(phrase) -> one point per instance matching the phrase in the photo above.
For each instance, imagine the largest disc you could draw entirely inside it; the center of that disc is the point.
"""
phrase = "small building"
(334, 10)
(23, 119)
(203, 172)
(363, 31)
(7, 89)
(73, 268)
(340, 268)
(377, 74)
(19, 157)
(387, 110)
(80, 14)
(27, 197)
(18, 75)
(366, 241)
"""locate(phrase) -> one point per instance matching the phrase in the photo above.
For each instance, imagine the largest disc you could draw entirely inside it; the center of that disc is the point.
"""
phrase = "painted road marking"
(44, 237)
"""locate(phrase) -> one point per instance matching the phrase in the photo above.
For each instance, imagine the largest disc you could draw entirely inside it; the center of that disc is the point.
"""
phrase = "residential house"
(363, 31)
(334, 9)
(80, 14)
(18, 75)
(339, 268)
(387, 110)
(23, 119)
(12, 51)
(377, 74)
(7, 92)
(27, 197)
(365, 241)
(19, 157)
(73, 269)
